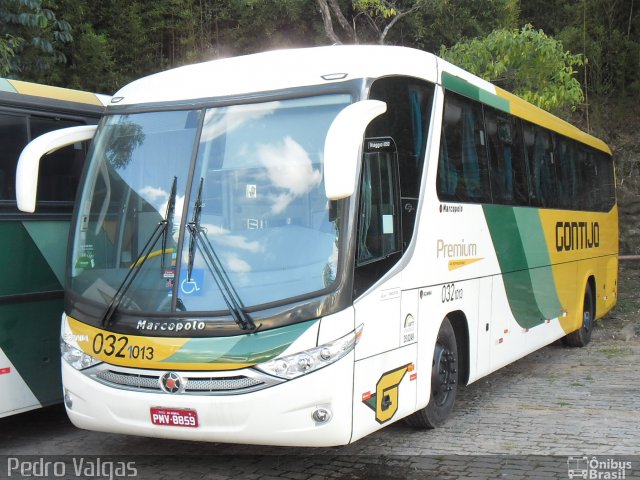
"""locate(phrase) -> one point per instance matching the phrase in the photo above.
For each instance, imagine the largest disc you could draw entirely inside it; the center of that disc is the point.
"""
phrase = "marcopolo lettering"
(150, 325)
(577, 235)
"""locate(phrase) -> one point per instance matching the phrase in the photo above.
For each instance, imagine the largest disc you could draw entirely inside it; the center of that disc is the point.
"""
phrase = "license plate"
(174, 417)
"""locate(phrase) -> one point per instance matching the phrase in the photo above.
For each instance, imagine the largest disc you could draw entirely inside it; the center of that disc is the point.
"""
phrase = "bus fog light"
(322, 415)
(68, 401)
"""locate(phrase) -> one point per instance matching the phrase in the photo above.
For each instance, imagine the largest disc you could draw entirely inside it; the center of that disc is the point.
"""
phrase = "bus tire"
(444, 381)
(582, 336)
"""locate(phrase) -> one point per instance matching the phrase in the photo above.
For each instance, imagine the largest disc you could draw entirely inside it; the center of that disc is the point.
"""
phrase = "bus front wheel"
(582, 336)
(444, 381)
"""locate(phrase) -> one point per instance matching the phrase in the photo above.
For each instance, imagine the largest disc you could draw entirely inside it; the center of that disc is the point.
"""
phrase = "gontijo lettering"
(577, 235)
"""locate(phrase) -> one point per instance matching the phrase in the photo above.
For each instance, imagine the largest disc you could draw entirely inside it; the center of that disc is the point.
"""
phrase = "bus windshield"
(167, 191)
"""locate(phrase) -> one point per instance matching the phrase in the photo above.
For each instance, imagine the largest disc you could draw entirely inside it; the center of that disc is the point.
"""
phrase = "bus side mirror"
(29, 161)
(342, 147)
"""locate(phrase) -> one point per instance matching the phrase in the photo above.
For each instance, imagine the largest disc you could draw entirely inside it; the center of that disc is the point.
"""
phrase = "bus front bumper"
(278, 415)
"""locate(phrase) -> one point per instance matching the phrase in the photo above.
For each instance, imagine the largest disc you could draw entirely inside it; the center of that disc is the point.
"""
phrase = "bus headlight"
(300, 363)
(76, 358)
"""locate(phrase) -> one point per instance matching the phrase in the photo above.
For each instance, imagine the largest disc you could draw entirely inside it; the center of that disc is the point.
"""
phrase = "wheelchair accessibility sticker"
(193, 286)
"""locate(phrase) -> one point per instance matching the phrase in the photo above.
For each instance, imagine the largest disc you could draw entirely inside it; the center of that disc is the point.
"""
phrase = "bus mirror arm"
(342, 147)
(29, 161)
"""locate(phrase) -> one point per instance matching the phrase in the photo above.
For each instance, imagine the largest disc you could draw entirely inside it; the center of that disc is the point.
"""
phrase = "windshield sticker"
(86, 257)
(251, 191)
(193, 286)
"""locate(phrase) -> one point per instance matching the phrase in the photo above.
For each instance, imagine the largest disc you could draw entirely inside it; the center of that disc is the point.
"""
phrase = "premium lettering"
(577, 235)
(456, 250)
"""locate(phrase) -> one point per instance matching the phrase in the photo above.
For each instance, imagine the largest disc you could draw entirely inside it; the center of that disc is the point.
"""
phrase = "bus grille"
(196, 383)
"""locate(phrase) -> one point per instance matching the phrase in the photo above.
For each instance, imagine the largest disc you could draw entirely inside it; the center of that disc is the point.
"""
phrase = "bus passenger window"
(540, 156)
(462, 167)
(589, 185)
(508, 171)
(567, 153)
(13, 136)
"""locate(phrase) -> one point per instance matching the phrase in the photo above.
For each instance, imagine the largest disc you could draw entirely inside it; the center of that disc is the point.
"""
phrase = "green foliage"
(526, 62)
(447, 22)
(31, 38)
(606, 32)
(6, 54)
(376, 7)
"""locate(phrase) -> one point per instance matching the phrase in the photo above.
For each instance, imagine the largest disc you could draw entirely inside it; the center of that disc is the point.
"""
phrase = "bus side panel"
(384, 389)
(29, 334)
(385, 367)
(530, 300)
(30, 308)
(589, 240)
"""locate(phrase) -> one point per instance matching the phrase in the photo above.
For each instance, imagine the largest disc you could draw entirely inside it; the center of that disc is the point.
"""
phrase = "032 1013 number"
(118, 346)
(451, 293)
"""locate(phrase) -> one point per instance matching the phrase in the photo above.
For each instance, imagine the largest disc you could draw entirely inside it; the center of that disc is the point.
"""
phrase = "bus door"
(386, 354)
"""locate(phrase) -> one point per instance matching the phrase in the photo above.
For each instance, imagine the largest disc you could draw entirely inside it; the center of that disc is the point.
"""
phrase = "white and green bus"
(300, 247)
(33, 247)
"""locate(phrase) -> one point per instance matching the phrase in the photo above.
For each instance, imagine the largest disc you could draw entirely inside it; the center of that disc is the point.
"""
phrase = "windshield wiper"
(168, 218)
(202, 243)
(160, 230)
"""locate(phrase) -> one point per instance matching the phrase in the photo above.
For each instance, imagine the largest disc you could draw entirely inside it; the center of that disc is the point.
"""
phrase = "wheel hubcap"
(443, 374)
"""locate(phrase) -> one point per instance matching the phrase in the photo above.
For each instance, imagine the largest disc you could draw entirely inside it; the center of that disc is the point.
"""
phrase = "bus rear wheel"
(582, 336)
(444, 381)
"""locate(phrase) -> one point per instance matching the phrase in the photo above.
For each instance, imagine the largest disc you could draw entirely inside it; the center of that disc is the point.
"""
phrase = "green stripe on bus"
(29, 337)
(538, 261)
(29, 331)
(254, 348)
(458, 85)
(520, 246)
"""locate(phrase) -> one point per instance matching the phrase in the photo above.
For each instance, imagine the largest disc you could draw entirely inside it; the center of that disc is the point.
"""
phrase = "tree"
(526, 62)
(6, 54)
(368, 19)
(32, 38)
(447, 22)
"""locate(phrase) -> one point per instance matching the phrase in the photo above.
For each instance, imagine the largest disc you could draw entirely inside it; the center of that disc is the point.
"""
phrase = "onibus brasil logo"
(596, 468)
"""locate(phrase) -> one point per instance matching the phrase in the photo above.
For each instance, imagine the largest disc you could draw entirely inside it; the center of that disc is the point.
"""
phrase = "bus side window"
(463, 173)
(566, 151)
(508, 170)
(409, 102)
(607, 197)
(379, 233)
(60, 171)
(589, 194)
(13, 137)
(378, 223)
(541, 159)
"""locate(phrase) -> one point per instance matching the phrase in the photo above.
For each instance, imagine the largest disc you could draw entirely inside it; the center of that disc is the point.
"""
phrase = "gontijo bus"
(300, 247)
(33, 248)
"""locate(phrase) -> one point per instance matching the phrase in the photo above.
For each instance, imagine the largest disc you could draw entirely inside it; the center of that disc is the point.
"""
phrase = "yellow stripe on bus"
(57, 93)
(138, 351)
(527, 111)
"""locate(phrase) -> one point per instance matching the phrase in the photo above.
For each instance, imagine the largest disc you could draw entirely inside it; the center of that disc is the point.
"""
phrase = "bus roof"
(291, 68)
(52, 93)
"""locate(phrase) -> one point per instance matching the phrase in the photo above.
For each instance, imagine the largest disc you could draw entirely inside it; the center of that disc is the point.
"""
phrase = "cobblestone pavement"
(555, 409)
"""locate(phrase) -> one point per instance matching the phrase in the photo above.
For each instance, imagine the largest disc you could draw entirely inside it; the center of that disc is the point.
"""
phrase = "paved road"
(527, 420)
